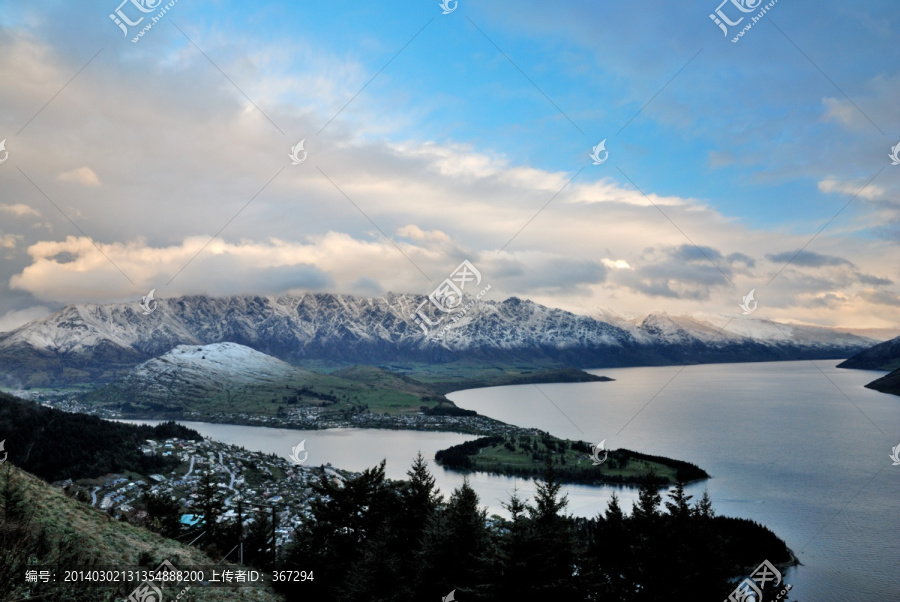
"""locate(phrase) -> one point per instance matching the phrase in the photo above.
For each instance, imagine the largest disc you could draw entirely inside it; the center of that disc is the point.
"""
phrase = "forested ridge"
(57, 445)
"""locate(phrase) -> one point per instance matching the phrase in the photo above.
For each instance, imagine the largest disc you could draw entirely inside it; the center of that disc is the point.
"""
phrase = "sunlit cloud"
(83, 175)
(20, 210)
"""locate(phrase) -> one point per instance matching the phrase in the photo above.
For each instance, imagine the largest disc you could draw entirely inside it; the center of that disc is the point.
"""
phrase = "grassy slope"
(471, 374)
(118, 543)
(498, 458)
(378, 392)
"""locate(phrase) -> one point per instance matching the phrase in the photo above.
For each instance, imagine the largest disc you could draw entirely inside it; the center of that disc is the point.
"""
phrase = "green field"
(336, 391)
(471, 374)
(363, 389)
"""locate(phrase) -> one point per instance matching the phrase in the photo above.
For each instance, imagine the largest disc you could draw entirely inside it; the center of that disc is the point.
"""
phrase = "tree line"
(371, 538)
(56, 445)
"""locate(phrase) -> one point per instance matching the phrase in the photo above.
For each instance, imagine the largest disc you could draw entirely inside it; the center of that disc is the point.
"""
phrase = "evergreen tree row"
(372, 539)
(57, 445)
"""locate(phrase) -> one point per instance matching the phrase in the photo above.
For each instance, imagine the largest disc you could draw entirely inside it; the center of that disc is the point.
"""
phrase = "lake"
(791, 445)
(358, 449)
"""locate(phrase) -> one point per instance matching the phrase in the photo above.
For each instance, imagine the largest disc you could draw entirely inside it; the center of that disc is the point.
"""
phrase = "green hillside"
(56, 445)
(473, 373)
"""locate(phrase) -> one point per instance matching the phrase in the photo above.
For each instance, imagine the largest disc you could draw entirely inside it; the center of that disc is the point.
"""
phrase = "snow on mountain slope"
(97, 342)
(227, 363)
(724, 329)
(515, 324)
(684, 330)
(203, 372)
(778, 333)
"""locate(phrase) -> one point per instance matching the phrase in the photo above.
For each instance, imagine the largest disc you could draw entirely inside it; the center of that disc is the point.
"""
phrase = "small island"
(525, 455)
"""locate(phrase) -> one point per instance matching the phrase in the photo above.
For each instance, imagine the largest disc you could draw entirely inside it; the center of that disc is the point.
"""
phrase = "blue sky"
(747, 149)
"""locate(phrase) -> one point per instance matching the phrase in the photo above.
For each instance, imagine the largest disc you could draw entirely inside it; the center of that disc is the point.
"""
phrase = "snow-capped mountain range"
(86, 342)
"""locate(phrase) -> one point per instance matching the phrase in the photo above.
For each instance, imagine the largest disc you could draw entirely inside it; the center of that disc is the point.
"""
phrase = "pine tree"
(703, 507)
(419, 500)
(648, 537)
(420, 497)
(646, 510)
(511, 574)
(334, 542)
(604, 568)
(457, 544)
(548, 505)
(211, 507)
(376, 575)
(163, 514)
(679, 508)
(553, 560)
(257, 537)
(13, 504)
(614, 514)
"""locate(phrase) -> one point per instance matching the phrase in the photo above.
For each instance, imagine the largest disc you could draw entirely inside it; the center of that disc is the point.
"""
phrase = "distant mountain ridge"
(96, 343)
(884, 356)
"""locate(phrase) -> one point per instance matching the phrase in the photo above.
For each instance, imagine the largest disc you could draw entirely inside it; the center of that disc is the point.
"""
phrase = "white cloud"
(74, 270)
(16, 317)
(617, 264)
(843, 112)
(20, 210)
(83, 175)
(852, 188)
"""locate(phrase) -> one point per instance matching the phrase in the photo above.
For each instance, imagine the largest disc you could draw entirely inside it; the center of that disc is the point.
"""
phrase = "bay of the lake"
(800, 447)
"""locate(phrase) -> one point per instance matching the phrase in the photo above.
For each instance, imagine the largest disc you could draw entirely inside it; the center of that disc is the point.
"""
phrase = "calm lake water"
(358, 449)
(791, 445)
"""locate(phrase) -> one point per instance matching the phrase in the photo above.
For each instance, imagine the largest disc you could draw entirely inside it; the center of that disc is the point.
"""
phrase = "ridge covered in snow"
(92, 341)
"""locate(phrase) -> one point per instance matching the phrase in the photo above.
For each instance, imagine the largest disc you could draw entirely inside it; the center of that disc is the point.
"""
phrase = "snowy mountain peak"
(193, 370)
(229, 355)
